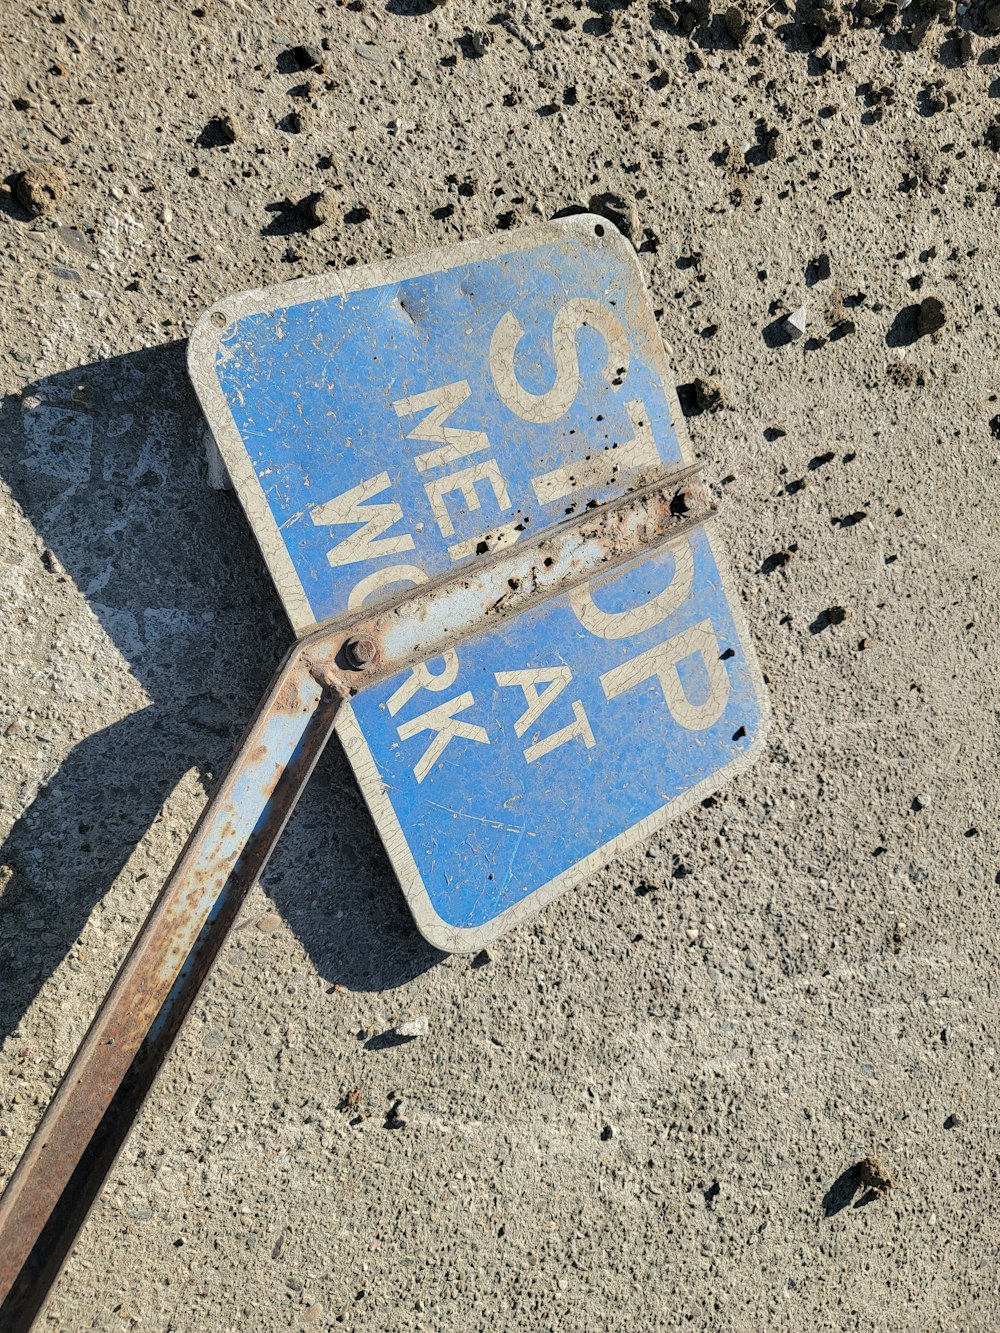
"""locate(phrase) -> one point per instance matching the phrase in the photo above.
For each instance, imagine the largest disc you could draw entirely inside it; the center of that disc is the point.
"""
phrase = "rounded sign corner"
(459, 940)
(595, 227)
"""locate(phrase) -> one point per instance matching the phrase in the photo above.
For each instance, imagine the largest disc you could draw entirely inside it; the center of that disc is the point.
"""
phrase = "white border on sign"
(465, 939)
(203, 347)
(210, 332)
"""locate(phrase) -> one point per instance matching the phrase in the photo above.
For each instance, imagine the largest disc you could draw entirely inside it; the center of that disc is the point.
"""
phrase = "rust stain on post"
(63, 1169)
(513, 577)
(288, 699)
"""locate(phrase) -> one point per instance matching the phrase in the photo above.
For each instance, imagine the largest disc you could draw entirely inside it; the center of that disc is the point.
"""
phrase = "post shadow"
(106, 461)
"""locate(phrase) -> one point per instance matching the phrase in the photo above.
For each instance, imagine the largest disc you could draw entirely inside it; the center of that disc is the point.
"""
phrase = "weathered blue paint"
(311, 388)
(529, 752)
(485, 828)
(308, 387)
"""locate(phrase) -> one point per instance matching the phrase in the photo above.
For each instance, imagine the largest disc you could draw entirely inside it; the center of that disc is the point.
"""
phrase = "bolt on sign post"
(468, 476)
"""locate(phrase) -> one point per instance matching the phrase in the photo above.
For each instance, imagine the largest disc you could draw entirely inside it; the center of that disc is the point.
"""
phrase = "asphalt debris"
(621, 211)
(931, 316)
(414, 1027)
(708, 394)
(40, 188)
(874, 1176)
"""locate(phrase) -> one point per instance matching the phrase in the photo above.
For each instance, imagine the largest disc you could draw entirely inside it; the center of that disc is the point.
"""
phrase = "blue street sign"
(538, 750)
(390, 426)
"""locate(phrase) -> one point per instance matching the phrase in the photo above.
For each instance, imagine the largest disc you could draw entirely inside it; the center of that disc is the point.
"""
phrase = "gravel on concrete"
(652, 1108)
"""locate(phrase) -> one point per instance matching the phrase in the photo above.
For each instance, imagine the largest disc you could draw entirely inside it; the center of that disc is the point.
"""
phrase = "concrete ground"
(646, 1110)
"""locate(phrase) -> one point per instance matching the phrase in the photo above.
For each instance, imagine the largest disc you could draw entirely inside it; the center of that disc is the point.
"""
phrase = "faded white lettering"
(549, 406)
(464, 483)
(604, 465)
(637, 619)
(662, 662)
(555, 680)
(439, 404)
(367, 543)
(446, 726)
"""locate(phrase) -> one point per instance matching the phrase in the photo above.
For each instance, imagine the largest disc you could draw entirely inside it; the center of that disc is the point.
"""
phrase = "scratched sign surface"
(387, 426)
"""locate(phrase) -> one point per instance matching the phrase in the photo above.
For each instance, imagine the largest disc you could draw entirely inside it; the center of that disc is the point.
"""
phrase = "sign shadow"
(107, 463)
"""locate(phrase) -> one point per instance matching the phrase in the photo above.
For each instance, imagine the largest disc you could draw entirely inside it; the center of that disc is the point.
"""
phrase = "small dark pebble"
(931, 316)
(39, 188)
(708, 395)
(306, 57)
(737, 25)
(833, 615)
(874, 1176)
(618, 210)
(818, 269)
(393, 1118)
(778, 560)
(842, 329)
(319, 208)
(229, 128)
(953, 1121)
(771, 145)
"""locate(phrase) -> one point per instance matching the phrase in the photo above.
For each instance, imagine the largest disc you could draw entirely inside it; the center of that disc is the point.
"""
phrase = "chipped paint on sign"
(439, 407)
(401, 428)
(537, 751)
(490, 425)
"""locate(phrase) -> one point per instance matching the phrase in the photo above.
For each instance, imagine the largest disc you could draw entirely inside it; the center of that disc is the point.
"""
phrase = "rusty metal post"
(66, 1163)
